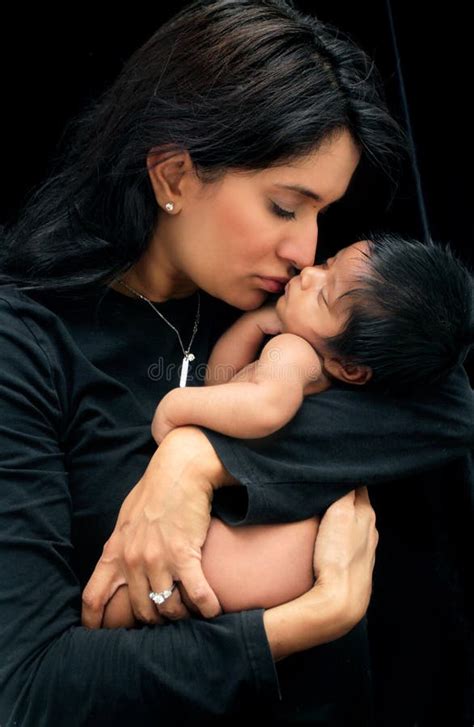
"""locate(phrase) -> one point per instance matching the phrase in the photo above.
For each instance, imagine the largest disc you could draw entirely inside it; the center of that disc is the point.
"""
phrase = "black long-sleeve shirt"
(78, 387)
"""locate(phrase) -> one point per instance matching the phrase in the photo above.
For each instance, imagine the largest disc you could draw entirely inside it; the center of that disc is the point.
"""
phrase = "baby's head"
(389, 311)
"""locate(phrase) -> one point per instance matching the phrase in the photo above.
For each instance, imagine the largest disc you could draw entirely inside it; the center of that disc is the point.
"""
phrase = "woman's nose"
(302, 251)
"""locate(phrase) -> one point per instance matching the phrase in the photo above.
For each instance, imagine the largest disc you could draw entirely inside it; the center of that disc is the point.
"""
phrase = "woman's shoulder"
(28, 314)
(15, 301)
(36, 349)
(35, 359)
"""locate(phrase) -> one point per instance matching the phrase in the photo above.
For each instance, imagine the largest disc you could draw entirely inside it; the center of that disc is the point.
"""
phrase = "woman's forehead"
(321, 176)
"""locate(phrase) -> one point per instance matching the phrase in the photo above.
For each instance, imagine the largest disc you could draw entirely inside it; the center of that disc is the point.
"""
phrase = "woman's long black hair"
(239, 84)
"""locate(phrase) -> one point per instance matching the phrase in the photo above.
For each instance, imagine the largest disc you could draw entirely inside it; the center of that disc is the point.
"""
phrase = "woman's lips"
(272, 285)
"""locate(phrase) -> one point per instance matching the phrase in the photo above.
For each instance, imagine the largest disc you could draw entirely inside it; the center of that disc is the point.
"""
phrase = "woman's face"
(237, 238)
(312, 306)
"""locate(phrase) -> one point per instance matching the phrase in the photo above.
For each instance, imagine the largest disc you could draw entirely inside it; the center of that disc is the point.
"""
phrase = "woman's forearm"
(314, 618)
(344, 558)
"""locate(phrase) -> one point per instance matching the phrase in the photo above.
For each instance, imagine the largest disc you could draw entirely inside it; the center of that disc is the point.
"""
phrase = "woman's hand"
(344, 558)
(159, 534)
(344, 554)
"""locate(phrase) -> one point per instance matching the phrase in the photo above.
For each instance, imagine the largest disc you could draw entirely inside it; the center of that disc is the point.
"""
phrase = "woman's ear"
(169, 174)
(347, 372)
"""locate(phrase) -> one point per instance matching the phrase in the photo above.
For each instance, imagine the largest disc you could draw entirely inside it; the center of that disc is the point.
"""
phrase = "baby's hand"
(267, 319)
(162, 422)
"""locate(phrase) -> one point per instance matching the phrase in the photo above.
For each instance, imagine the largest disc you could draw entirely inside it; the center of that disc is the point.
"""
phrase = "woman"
(170, 182)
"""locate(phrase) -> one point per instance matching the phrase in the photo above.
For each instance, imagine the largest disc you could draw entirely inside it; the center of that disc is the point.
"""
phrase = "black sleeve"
(338, 440)
(53, 671)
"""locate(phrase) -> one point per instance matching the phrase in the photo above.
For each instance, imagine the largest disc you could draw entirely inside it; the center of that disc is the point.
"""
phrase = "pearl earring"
(169, 206)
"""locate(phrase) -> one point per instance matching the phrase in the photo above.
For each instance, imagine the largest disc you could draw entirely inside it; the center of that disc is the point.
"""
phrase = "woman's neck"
(156, 279)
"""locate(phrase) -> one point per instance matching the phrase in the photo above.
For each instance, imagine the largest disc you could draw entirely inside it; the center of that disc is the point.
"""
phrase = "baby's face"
(311, 306)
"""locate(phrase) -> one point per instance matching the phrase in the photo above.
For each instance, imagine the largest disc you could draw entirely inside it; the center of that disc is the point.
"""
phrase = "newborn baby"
(389, 313)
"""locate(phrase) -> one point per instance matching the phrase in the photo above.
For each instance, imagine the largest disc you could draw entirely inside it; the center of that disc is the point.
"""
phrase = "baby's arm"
(256, 402)
(239, 344)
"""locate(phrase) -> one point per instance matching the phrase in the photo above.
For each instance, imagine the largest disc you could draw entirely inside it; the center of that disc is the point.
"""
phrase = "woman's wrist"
(320, 615)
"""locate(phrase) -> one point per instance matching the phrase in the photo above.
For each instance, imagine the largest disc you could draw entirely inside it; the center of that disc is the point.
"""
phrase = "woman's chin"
(247, 301)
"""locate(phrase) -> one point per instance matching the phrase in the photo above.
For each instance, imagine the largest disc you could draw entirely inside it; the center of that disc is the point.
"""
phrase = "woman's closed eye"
(287, 214)
(280, 212)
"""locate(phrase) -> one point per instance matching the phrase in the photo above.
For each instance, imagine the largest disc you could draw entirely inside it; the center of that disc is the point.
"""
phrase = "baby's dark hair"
(412, 313)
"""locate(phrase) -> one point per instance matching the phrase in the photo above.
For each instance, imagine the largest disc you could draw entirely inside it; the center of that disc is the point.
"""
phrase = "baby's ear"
(347, 372)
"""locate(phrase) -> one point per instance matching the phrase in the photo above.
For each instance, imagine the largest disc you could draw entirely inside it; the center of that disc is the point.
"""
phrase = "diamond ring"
(162, 595)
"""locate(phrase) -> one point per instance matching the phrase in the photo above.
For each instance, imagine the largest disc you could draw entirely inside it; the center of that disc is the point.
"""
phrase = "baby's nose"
(310, 276)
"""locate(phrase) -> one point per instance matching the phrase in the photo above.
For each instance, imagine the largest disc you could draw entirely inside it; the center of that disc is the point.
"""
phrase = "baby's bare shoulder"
(291, 347)
(289, 358)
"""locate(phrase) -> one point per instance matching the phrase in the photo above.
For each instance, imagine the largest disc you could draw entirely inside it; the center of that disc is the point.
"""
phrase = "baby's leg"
(251, 566)
(118, 611)
(259, 566)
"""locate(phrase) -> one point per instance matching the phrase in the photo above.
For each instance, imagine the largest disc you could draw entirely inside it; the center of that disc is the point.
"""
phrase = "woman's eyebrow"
(302, 190)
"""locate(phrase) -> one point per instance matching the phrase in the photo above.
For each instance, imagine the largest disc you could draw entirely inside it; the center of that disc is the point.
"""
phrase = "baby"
(386, 312)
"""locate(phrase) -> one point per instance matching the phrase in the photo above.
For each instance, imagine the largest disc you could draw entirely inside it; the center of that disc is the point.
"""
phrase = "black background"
(54, 62)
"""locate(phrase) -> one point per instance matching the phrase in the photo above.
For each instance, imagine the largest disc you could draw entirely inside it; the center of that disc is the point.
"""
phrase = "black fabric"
(78, 387)
(342, 438)
(420, 621)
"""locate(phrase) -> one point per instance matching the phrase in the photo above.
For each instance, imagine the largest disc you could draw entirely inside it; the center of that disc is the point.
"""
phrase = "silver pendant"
(184, 368)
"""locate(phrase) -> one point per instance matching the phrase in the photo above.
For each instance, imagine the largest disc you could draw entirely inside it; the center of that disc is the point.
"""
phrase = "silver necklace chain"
(188, 356)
